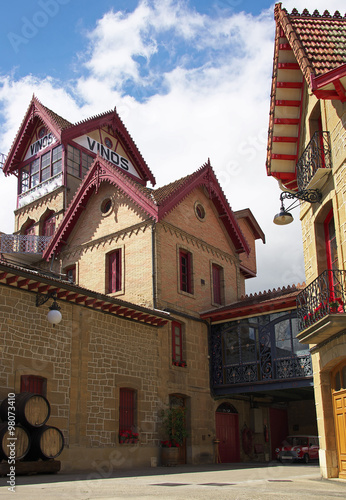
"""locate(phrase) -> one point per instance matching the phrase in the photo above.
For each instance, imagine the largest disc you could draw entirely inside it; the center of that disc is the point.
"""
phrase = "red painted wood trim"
(327, 94)
(327, 78)
(32, 286)
(289, 85)
(3, 275)
(288, 66)
(283, 157)
(284, 46)
(282, 102)
(22, 283)
(12, 279)
(284, 139)
(286, 121)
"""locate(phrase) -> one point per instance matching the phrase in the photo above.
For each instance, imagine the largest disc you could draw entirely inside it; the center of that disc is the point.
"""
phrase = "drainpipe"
(153, 263)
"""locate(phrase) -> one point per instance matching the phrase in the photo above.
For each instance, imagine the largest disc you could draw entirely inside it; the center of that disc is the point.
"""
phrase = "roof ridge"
(316, 13)
(180, 183)
(275, 291)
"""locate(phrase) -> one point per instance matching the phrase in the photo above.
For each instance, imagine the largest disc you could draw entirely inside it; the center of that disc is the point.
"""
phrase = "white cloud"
(212, 101)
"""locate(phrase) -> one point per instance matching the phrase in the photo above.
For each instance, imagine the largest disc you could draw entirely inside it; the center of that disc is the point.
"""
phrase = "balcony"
(27, 248)
(315, 162)
(321, 307)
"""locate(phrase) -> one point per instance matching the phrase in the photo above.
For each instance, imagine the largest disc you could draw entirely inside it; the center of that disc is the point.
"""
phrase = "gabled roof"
(156, 203)
(64, 131)
(171, 195)
(113, 120)
(100, 171)
(310, 50)
(36, 111)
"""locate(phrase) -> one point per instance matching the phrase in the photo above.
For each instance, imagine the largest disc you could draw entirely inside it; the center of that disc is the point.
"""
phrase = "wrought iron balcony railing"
(23, 243)
(325, 295)
(317, 154)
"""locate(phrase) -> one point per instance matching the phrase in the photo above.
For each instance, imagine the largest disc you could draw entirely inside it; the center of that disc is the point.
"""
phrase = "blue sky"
(190, 79)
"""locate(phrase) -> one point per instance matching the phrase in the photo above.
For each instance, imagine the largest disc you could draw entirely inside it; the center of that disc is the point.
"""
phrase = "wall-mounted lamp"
(310, 195)
(54, 315)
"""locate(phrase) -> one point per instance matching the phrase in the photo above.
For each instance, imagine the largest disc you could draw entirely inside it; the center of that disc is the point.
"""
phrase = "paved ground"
(223, 481)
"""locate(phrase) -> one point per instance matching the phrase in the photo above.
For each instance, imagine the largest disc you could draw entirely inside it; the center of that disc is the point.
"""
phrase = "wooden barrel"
(31, 410)
(46, 442)
(13, 444)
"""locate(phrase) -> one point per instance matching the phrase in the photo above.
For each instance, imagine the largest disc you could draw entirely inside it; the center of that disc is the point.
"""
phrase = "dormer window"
(42, 168)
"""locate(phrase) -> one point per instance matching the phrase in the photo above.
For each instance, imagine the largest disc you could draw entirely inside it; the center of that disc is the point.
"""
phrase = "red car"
(298, 448)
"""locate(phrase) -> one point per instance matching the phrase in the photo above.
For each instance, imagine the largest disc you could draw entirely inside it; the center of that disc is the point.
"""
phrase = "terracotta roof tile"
(162, 193)
(59, 120)
(323, 38)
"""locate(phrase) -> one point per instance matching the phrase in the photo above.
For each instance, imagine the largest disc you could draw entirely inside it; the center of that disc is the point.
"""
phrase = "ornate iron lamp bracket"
(42, 298)
(309, 195)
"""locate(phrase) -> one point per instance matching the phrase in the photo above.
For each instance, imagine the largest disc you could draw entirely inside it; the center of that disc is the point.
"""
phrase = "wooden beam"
(289, 85)
(277, 138)
(282, 102)
(288, 66)
(286, 121)
(283, 157)
(12, 279)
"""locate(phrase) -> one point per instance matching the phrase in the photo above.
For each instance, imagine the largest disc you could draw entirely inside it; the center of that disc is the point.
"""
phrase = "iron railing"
(325, 295)
(317, 154)
(275, 369)
(23, 243)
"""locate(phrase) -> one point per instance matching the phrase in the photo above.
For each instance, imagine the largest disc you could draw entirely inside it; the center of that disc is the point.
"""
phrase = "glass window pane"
(248, 344)
(73, 161)
(231, 347)
(283, 340)
(24, 180)
(57, 160)
(34, 173)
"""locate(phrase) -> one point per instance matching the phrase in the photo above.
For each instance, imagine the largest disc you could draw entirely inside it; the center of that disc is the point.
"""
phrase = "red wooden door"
(227, 432)
(278, 428)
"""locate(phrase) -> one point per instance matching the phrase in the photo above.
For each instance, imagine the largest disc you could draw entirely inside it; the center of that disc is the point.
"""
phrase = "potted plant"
(336, 306)
(127, 436)
(174, 425)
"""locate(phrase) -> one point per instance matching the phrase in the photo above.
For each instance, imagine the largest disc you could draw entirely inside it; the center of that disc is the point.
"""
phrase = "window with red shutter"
(185, 261)
(49, 226)
(34, 384)
(217, 272)
(114, 271)
(127, 409)
(177, 341)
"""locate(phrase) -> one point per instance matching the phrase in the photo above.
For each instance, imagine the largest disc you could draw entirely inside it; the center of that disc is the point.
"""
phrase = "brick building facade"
(132, 267)
(306, 153)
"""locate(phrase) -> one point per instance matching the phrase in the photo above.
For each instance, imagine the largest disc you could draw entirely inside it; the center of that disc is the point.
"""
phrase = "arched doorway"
(227, 432)
(339, 407)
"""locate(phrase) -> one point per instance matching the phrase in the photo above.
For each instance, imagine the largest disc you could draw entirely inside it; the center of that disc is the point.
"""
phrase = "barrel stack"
(33, 440)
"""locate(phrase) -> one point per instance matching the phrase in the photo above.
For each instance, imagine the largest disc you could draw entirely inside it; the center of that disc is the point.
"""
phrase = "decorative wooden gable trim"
(100, 171)
(36, 111)
(205, 177)
(111, 119)
(299, 60)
